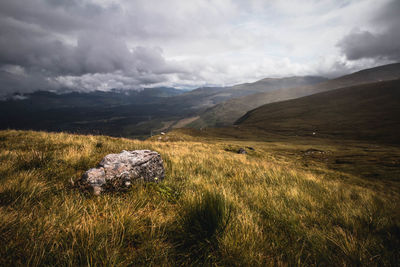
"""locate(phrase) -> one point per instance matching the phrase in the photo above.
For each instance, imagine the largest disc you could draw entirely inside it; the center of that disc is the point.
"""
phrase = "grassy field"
(288, 202)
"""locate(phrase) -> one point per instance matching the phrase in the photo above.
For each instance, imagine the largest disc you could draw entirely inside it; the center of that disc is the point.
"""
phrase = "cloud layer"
(381, 43)
(88, 45)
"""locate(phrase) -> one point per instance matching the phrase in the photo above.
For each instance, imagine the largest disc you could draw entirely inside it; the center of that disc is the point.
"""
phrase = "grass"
(215, 207)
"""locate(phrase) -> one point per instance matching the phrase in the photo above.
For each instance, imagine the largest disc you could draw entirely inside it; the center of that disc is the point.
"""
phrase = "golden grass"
(279, 213)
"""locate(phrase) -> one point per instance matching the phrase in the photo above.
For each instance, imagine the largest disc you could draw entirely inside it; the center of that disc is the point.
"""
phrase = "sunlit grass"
(215, 207)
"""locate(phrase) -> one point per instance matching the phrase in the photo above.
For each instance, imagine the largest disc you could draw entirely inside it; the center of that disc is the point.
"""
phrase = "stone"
(242, 151)
(117, 172)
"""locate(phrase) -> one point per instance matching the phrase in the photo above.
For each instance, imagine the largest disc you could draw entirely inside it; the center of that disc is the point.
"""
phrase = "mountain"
(207, 97)
(115, 113)
(226, 113)
(368, 111)
(49, 100)
(142, 113)
(124, 113)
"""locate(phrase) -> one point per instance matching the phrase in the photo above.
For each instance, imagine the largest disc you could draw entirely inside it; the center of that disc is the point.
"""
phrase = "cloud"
(67, 44)
(364, 44)
(380, 43)
(88, 45)
(97, 61)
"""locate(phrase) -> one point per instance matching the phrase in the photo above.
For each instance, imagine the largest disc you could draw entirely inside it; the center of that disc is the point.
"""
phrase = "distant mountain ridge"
(114, 112)
(209, 96)
(226, 113)
(49, 100)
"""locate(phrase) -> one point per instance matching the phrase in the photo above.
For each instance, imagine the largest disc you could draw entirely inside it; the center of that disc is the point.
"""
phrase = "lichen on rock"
(117, 172)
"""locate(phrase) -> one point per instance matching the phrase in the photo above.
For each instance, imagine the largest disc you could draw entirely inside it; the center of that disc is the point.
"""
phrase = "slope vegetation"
(369, 111)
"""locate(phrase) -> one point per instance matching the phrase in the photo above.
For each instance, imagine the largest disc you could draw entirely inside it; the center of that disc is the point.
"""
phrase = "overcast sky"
(102, 44)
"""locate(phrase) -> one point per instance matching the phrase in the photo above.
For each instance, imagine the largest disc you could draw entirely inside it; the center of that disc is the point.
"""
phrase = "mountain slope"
(227, 112)
(206, 97)
(369, 111)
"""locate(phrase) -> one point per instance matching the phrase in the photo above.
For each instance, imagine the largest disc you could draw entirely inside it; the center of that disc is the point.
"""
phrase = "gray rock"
(242, 151)
(117, 172)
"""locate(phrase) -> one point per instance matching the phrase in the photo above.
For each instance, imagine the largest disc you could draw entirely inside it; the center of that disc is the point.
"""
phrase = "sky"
(86, 45)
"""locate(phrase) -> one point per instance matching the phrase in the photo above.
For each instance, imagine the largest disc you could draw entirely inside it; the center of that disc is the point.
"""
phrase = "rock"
(242, 151)
(316, 154)
(117, 172)
(313, 151)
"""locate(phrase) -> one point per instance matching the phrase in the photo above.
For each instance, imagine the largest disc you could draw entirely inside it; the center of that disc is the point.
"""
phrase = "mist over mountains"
(91, 45)
(81, 66)
(143, 113)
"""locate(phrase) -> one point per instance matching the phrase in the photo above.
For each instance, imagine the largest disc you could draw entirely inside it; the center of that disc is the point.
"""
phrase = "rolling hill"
(369, 111)
(206, 97)
(226, 113)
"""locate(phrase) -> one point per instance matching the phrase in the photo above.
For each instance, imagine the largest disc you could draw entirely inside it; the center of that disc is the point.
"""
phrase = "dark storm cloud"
(12, 80)
(103, 44)
(382, 44)
(25, 45)
(60, 44)
(56, 15)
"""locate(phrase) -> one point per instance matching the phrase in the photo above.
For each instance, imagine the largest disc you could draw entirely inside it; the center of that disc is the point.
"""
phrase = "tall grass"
(214, 207)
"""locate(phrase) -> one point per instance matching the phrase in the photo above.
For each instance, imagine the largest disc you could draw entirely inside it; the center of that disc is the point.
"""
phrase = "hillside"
(278, 205)
(226, 113)
(206, 97)
(369, 111)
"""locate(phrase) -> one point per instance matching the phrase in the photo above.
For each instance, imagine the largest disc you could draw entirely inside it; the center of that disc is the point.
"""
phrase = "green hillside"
(226, 113)
(361, 112)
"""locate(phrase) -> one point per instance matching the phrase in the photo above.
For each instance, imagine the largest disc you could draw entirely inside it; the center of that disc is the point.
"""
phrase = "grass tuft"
(206, 217)
(203, 221)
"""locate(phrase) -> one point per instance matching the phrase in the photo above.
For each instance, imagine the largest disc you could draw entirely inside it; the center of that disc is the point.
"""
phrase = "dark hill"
(369, 111)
